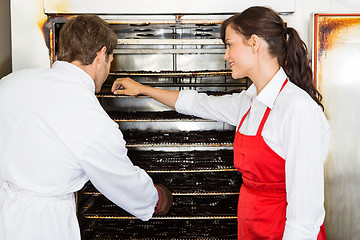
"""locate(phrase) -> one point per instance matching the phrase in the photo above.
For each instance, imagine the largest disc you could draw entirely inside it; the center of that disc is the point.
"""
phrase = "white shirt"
(54, 137)
(296, 130)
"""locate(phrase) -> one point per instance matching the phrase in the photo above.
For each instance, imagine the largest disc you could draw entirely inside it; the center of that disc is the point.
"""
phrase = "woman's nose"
(226, 55)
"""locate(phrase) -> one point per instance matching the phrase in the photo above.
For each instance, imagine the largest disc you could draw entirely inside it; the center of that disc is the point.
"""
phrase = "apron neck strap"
(267, 112)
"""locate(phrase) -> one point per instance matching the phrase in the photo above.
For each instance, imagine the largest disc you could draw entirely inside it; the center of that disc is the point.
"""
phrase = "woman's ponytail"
(297, 65)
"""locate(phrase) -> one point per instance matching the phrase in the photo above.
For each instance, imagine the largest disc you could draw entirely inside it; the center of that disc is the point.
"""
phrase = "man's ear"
(101, 54)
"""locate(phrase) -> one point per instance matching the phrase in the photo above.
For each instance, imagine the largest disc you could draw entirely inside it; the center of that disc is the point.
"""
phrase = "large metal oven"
(191, 156)
(167, 44)
(29, 50)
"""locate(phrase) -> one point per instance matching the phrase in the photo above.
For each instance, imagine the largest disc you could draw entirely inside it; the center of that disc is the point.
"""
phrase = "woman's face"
(239, 53)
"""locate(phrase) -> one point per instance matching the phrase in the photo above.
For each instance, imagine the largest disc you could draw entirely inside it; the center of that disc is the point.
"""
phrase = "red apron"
(262, 199)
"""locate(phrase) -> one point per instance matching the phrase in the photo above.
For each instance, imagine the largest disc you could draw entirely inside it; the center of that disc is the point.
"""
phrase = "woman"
(282, 137)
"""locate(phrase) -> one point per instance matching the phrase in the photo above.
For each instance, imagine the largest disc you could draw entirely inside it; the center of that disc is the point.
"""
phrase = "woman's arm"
(219, 108)
(306, 140)
(130, 87)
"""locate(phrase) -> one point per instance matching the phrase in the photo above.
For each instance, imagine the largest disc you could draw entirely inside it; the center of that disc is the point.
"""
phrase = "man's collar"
(84, 78)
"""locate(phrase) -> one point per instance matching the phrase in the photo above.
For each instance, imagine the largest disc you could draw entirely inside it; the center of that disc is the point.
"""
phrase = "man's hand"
(165, 200)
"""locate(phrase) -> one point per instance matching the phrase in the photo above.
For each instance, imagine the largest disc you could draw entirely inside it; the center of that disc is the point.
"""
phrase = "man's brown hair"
(83, 36)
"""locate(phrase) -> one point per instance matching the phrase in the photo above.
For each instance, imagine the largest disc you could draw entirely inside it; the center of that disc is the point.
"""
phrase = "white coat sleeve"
(306, 141)
(219, 108)
(108, 167)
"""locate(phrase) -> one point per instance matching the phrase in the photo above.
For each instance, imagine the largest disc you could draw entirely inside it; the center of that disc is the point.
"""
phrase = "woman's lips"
(231, 64)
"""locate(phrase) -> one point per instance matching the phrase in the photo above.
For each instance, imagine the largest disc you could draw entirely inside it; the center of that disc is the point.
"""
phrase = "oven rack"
(108, 94)
(179, 138)
(147, 116)
(165, 218)
(158, 217)
(170, 125)
(182, 160)
(171, 73)
(197, 146)
(238, 87)
(97, 193)
(165, 120)
(230, 88)
(192, 171)
(184, 207)
(172, 229)
(181, 79)
(117, 236)
(160, 120)
(211, 83)
(192, 183)
(170, 51)
(209, 41)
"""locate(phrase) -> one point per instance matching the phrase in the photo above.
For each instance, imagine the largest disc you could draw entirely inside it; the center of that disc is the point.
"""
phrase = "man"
(55, 136)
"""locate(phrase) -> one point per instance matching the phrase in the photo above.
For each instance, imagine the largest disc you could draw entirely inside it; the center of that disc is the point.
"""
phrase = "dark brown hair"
(83, 36)
(284, 43)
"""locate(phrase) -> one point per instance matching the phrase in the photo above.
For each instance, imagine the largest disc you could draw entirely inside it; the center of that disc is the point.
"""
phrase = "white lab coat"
(54, 137)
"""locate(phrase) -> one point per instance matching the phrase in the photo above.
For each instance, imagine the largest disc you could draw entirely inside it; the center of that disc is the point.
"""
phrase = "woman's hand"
(127, 86)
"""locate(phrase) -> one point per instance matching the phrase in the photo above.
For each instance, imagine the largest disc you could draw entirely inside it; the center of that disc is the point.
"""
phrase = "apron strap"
(267, 112)
(243, 118)
(261, 126)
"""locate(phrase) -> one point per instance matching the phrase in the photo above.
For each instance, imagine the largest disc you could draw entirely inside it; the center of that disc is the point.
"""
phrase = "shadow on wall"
(5, 67)
(5, 38)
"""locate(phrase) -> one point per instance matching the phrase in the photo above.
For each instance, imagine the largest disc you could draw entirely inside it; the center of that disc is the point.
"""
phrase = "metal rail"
(210, 41)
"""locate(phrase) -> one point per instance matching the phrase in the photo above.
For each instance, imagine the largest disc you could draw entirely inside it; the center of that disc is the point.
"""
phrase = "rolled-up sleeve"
(218, 108)
(107, 165)
(306, 141)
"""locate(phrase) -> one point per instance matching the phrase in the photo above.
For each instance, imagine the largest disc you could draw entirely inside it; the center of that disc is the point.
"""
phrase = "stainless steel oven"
(191, 156)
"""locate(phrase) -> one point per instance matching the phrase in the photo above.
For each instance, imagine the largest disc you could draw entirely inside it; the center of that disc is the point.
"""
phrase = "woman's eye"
(228, 45)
